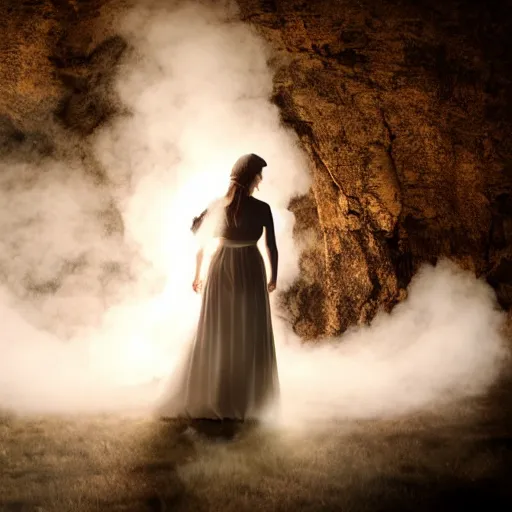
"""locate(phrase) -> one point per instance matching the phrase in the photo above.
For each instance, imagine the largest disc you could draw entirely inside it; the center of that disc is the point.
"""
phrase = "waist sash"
(236, 244)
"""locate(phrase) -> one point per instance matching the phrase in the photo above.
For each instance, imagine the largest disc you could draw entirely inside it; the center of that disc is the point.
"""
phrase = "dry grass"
(442, 461)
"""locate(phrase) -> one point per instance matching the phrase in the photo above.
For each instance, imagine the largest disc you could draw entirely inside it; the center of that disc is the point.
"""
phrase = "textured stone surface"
(404, 110)
(403, 107)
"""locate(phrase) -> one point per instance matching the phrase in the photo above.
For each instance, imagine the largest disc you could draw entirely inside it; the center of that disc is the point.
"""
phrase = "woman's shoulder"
(261, 205)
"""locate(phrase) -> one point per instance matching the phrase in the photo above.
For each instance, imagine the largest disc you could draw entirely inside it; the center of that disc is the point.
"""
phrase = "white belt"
(237, 243)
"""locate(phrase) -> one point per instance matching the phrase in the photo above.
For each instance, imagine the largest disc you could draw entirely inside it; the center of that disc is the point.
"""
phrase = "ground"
(445, 459)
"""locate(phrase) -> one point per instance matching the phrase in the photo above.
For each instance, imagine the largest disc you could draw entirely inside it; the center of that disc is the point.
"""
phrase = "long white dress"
(230, 371)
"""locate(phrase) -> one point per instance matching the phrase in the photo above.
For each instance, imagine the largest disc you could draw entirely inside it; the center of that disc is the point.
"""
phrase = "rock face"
(402, 105)
(404, 110)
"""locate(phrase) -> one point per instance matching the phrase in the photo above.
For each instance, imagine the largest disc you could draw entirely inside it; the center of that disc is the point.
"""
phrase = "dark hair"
(243, 174)
(236, 193)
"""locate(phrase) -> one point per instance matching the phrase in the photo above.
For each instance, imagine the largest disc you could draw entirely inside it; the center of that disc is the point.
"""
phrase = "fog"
(95, 316)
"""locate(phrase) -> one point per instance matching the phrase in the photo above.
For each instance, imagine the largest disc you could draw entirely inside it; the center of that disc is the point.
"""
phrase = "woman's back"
(251, 218)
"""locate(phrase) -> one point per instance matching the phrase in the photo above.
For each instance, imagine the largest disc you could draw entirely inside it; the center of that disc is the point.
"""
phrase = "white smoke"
(442, 343)
(197, 85)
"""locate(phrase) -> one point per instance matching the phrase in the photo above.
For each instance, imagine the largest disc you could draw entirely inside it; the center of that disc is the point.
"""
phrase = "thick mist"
(441, 344)
(97, 309)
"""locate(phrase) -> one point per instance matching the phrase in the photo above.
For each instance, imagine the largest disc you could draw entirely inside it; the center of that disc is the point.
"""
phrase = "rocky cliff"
(404, 109)
(402, 106)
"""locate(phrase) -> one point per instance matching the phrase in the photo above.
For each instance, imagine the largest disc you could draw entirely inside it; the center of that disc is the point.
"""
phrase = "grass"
(441, 460)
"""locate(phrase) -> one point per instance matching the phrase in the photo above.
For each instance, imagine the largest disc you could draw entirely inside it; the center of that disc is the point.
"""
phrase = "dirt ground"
(448, 459)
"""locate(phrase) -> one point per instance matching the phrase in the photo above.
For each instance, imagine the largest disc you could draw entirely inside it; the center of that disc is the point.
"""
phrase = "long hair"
(243, 174)
(235, 195)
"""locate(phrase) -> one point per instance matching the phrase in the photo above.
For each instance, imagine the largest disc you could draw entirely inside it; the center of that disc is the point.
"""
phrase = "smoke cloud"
(97, 305)
(441, 344)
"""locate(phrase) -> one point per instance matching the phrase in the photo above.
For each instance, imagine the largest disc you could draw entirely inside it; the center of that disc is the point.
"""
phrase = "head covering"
(246, 168)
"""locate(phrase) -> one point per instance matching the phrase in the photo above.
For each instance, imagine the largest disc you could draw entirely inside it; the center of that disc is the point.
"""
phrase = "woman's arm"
(273, 255)
(196, 285)
(197, 221)
(196, 224)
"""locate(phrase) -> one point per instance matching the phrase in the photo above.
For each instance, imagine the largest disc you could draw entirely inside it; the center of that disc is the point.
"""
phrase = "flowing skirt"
(231, 371)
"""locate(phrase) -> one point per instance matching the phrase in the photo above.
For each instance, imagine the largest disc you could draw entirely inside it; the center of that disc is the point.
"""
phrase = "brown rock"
(402, 106)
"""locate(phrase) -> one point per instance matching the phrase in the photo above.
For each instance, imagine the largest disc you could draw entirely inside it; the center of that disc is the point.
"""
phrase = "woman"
(231, 372)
